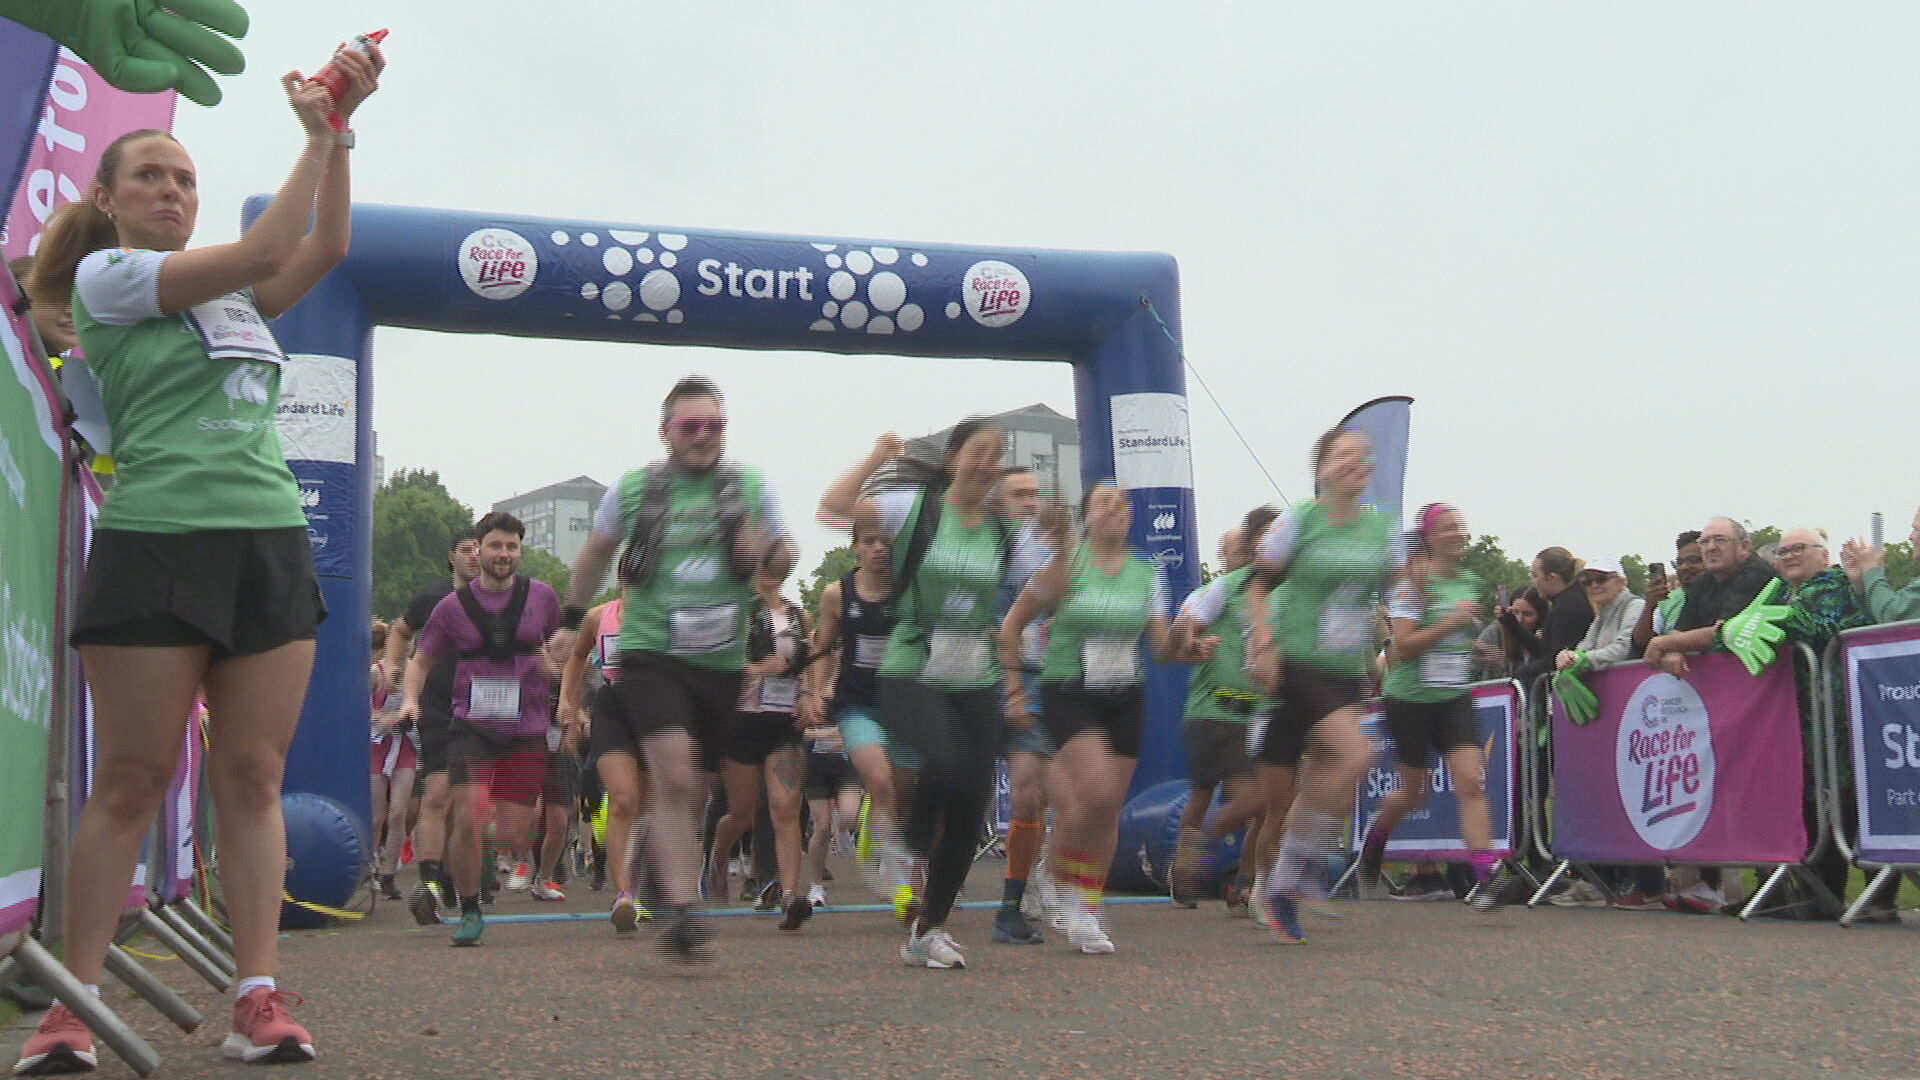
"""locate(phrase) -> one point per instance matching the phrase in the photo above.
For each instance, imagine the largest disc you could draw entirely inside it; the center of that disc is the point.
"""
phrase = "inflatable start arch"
(1113, 316)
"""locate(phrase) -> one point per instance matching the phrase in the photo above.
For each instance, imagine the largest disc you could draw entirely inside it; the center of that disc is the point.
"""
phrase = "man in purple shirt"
(497, 627)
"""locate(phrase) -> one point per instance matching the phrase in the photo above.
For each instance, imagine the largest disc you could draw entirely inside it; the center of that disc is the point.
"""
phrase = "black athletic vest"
(864, 628)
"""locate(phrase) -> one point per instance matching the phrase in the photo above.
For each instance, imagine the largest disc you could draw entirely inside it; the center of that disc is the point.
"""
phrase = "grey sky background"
(1639, 263)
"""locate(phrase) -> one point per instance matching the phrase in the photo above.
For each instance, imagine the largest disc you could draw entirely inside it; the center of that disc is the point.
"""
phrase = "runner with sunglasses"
(696, 529)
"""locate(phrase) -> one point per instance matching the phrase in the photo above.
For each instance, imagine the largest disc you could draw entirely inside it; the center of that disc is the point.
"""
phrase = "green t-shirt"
(1442, 672)
(194, 441)
(947, 616)
(1097, 626)
(694, 607)
(1325, 609)
(1222, 688)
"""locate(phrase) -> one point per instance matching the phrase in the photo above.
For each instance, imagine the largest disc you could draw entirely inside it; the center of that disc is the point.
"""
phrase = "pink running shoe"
(61, 1045)
(263, 1032)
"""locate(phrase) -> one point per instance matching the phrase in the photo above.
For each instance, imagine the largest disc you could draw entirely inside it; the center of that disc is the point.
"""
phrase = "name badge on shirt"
(1109, 663)
(703, 629)
(1443, 668)
(1345, 629)
(778, 693)
(868, 650)
(494, 697)
(231, 329)
(956, 656)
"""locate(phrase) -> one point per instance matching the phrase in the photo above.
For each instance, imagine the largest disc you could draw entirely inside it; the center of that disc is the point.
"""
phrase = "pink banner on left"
(80, 116)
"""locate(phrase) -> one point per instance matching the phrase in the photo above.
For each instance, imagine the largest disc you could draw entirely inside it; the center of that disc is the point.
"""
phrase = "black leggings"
(957, 735)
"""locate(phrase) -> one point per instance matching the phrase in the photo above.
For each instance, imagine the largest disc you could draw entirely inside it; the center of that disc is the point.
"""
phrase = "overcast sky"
(1639, 263)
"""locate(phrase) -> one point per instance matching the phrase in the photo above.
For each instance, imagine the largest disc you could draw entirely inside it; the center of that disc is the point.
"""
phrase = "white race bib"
(702, 630)
(231, 329)
(956, 656)
(494, 697)
(1443, 668)
(1109, 663)
(1346, 629)
(868, 650)
(779, 694)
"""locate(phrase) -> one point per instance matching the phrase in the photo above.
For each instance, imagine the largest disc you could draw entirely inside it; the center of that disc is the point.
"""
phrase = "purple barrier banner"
(1700, 769)
(1882, 666)
(1432, 829)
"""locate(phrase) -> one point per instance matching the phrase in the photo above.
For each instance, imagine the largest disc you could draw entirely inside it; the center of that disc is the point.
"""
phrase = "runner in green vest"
(1333, 555)
(1429, 710)
(940, 674)
(683, 628)
(1107, 599)
(1222, 712)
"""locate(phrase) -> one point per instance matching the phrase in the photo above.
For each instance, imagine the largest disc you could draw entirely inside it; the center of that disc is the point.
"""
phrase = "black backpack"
(642, 554)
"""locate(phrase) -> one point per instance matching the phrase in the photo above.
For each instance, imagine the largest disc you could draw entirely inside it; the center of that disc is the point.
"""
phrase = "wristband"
(572, 616)
(343, 139)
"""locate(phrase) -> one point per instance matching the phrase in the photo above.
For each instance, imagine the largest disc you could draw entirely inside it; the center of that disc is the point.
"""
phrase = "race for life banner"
(1388, 422)
(1432, 829)
(1700, 769)
(81, 115)
(26, 59)
(29, 547)
(1882, 665)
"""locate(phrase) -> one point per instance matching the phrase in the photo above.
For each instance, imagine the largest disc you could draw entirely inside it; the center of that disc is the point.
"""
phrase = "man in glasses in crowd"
(1734, 576)
(696, 528)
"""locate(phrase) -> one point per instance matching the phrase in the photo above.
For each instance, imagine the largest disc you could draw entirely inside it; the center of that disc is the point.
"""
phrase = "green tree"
(541, 566)
(834, 565)
(1495, 567)
(1901, 566)
(413, 518)
(1764, 535)
(1207, 574)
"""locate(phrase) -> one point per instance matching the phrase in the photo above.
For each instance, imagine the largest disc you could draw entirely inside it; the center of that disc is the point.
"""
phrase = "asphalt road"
(1390, 991)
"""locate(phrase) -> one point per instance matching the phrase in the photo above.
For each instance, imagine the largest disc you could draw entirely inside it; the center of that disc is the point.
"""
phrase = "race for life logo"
(1664, 762)
(996, 293)
(498, 264)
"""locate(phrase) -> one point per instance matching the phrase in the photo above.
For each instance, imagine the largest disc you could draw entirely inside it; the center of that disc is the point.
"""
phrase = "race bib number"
(1346, 629)
(956, 656)
(494, 697)
(779, 694)
(868, 651)
(1109, 663)
(1443, 668)
(702, 630)
(231, 329)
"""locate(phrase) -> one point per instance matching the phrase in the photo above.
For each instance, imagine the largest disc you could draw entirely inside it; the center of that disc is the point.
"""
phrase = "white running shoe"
(817, 896)
(1085, 933)
(934, 949)
(520, 879)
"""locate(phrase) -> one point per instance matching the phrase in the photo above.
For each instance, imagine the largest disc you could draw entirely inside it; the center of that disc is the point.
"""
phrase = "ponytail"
(78, 229)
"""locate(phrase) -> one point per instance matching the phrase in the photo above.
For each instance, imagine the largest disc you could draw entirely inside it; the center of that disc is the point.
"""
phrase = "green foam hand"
(141, 46)
(1754, 634)
(1579, 703)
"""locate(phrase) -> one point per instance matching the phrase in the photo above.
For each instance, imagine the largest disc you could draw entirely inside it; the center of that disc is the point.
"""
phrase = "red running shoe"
(62, 1044)
(264, 1033)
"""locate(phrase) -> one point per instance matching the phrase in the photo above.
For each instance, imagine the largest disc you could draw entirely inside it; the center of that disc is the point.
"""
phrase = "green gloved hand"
(1754, 634)
(1579, 703)
(140, 46)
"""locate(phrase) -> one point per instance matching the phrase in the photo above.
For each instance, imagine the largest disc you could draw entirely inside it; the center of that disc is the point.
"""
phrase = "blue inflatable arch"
(532, 277)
